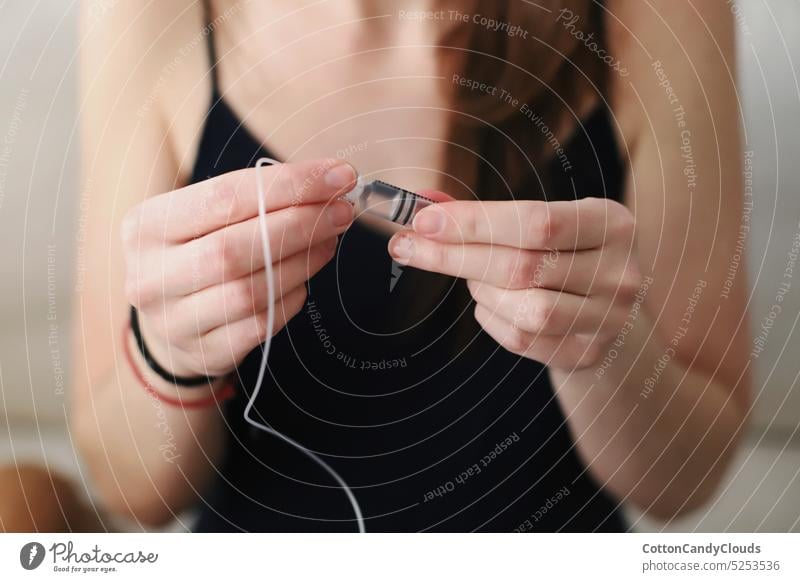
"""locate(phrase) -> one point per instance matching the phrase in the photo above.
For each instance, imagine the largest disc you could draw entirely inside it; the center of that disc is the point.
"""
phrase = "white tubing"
(270, 275)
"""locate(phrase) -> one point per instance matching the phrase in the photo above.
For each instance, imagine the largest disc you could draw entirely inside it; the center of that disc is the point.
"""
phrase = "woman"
(559, 336)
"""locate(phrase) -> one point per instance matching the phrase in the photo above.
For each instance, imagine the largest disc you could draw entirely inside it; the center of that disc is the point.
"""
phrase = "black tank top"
(427, 440)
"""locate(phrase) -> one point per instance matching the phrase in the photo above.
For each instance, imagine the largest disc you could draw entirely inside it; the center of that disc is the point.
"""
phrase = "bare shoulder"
(144, 64)
(134, 40)
(673, 49)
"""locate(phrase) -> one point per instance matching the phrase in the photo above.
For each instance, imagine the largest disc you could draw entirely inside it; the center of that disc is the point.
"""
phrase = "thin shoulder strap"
(208, 31)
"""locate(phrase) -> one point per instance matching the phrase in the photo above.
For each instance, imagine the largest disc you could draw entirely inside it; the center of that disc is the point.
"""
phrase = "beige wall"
(38, 184)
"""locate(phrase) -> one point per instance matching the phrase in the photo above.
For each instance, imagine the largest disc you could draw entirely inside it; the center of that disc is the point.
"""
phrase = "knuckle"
(239, 300)
(223, 199)
(520, 270)
(621, 220)
(517, 341)
(468, 226)
(300, 224)
(611, 326)
(130, 258)
(541, 225)
(129, 229)
(139, 293)
(296, 302)
(630, 282)
(303, 295)
(234, 257)
(474, 288)
(299, 182)
(434, 255)
(222, 254)
(212, 253)
(200, 355)
(290, 179)
(183, 341)
(588, 355)
(157, 325)
(131, 292)
(259, 328)
(542, 315)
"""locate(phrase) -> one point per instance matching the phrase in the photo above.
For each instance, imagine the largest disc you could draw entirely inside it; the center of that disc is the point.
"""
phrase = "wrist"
(203, 396)
(159, 350)
(154, 363)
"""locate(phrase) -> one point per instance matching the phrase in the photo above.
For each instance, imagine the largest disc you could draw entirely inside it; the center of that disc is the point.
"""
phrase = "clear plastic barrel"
(387, 201)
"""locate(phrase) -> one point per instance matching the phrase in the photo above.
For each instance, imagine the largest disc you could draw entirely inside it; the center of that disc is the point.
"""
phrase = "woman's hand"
(195, 270)
(553, 281)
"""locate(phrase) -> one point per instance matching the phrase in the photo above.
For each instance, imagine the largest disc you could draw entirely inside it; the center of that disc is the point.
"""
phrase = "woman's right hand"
(195, 270)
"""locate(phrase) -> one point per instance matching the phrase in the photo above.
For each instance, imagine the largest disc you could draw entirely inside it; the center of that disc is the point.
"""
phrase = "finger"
(436, 195)
(527, 224)
(546, 312)
(234, 341)
(233, 197)
(235, 251)
(200, 312)
(507, 267)
(558, 352)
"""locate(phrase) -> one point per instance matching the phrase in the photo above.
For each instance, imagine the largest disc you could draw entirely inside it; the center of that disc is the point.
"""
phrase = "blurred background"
(40, 229)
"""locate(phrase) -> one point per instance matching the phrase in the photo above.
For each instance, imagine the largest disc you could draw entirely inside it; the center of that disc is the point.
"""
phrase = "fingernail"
(429, 221)
(401, 247)
(340, 213)
(340, 176)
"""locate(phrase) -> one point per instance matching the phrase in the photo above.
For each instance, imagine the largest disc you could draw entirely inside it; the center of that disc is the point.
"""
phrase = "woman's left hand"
(553, 281)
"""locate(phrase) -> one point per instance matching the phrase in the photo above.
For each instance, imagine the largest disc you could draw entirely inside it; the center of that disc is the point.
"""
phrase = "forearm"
(149, 459)
(653, 431)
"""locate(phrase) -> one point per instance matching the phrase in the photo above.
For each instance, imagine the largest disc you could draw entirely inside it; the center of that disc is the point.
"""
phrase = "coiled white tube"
(270, 275)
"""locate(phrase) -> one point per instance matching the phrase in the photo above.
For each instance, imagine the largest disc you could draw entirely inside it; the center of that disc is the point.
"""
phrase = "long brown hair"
(540, 65)
(537, 63)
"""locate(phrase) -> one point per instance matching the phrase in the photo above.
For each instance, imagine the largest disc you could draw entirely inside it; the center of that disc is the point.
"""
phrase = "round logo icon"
(31, 555)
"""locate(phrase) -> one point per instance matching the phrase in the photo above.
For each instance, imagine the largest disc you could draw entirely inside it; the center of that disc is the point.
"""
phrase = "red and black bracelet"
(226, 392)
(153, 364)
